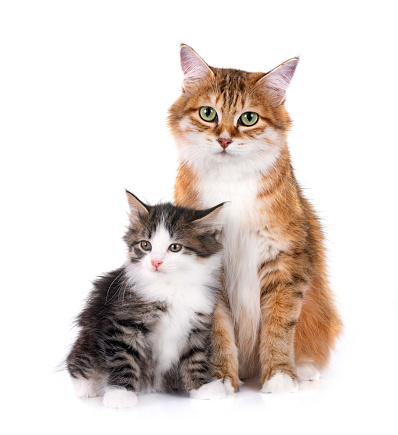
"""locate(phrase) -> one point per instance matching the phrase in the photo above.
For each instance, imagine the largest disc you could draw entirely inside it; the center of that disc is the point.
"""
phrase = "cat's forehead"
(161, 237)
(166, 219)
(229, 91)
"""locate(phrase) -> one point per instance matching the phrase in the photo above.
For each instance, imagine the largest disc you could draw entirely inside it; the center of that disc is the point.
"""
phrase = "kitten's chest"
(170, 334)
(169, 337)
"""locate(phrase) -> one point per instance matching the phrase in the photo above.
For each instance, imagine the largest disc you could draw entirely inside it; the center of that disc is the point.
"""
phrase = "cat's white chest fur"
(185, 295)
(169, 338)
(244, 246)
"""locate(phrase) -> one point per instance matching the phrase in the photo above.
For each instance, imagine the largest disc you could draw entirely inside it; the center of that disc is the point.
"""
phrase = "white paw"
(212, 390)
(280, 383)
(307, 372)
(85, 388)
(119, 398)
(228, 387)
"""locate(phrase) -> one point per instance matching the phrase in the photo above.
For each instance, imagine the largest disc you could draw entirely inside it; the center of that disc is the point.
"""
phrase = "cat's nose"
(224, 142)
(156, 263)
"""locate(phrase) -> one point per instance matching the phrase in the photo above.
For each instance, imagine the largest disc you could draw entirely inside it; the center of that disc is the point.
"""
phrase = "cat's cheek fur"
(119, 398)
(243, 157)
(280, 383)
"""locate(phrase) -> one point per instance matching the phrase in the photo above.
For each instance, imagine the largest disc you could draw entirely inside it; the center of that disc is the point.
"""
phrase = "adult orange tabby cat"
(277, 318)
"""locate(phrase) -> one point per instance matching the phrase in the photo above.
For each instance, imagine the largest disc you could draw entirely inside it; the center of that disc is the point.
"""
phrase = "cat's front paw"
(119, 398)
(307, 372)
(212, 390)
(85, 388)
(229, 386)
(280, 383)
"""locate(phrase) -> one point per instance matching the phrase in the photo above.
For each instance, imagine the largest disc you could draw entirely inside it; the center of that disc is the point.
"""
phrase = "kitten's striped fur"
(277, 309)
(149, 330)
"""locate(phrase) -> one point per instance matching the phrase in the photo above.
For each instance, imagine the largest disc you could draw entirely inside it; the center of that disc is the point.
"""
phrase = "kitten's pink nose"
(156, 263)
(224, 142)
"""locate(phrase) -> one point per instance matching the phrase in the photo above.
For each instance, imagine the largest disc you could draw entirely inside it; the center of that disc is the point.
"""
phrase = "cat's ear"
(210, 216)
(137, 208)
(276, 82)
(195, 69)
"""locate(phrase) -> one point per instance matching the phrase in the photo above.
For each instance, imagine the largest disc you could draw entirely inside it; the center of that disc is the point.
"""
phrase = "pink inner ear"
(278, 80)
(193, 67)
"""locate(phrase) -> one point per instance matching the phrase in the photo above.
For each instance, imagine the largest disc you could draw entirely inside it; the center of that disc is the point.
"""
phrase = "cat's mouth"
(224, 154)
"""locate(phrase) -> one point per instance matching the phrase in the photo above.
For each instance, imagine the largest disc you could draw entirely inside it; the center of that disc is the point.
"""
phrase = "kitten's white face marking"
(161, 263)
(160, 253)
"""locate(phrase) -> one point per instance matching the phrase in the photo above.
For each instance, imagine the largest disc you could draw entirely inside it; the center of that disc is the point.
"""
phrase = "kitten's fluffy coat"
(277, 309)
(146, 326)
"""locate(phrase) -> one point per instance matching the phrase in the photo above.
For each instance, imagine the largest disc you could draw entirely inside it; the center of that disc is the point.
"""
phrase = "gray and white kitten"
(146, 326)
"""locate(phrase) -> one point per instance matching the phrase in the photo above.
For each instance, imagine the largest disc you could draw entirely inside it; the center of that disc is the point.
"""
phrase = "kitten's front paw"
(280, 383)
(119, 398)
(85, 388)
(212, 390)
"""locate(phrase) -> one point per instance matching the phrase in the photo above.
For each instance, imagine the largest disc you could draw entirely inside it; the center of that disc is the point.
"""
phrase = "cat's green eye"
(175, 247)
(145, 245)
(248, 118)
(207, 113)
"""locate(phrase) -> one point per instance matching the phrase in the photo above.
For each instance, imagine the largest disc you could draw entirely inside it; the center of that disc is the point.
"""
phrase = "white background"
(84, 92)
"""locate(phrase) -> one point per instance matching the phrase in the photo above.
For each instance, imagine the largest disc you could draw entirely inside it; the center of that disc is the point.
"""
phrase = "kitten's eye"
(145, 246)
(175, 247)
(248, 118)
(208, 114)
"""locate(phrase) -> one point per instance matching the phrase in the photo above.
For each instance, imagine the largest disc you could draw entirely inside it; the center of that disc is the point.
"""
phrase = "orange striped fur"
(282, 313)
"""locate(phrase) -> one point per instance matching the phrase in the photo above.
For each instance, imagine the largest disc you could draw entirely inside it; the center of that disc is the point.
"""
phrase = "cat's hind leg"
(85, 388)
(88, 378)
(307, 371)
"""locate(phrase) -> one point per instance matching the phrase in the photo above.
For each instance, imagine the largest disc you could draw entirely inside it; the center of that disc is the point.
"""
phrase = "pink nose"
(224, 142)
(156, 263)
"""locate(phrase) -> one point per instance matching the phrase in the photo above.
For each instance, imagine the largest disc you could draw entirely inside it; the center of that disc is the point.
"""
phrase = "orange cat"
(277, 318)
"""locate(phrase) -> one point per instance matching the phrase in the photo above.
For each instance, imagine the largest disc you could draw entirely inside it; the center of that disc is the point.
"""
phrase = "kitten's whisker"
(107, 293)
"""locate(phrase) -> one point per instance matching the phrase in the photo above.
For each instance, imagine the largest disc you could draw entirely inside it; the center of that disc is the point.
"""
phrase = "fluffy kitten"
(147, 326)
(277, 317)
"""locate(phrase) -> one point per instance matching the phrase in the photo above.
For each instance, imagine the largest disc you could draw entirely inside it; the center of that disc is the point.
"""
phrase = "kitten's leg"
(194, 367)
(280, 309)
(212, 390)
(115, 397)
(84, 368)
(224, 356)
(123, 367)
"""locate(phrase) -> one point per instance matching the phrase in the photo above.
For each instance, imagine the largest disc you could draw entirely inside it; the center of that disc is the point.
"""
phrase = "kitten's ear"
(137, 208)
(195, 69)
(276, 82)
(210, 216)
